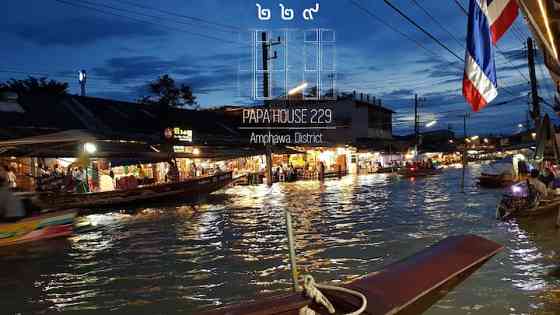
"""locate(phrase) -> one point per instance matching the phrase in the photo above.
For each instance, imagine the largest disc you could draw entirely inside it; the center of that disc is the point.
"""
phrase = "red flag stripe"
(504, 21)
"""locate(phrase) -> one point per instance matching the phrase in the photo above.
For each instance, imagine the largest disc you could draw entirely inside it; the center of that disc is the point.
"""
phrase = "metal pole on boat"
(292, 249)
(465, 157)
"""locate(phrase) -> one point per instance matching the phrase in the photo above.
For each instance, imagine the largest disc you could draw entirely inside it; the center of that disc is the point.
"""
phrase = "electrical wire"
(96, 8)
(400, 12)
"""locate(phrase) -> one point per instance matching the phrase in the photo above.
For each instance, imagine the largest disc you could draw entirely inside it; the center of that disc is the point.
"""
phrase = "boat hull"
(418, 173)
(177, 191)
(550, 208)
(46, 226)
(409, 286)
(493, 181)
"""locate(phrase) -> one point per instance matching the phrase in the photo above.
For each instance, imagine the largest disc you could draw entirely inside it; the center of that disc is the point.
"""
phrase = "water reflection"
(181, 259)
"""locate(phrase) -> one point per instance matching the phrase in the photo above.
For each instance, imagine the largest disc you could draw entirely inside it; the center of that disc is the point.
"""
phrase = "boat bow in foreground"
(409, 286)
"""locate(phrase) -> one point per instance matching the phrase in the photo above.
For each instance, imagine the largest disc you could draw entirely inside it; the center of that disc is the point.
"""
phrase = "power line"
(95, 8)
(226, 26)
(380, 20)
(460, 43)
(461, 7)
(423, 30)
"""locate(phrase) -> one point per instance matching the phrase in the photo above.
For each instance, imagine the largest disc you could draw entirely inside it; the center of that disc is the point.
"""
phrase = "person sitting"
(57, 172)
(537, 184)
(547, 177)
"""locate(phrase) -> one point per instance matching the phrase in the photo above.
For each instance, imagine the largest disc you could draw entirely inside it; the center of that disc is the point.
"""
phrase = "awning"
(51, 138)
(543, 17)
(135, 161)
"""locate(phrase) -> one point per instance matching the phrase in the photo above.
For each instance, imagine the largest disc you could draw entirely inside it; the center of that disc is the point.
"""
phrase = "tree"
(164, 91)
(34, 85)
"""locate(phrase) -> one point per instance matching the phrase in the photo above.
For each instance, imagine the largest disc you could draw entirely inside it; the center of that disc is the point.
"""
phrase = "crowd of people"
(284, 174)
(73, 179)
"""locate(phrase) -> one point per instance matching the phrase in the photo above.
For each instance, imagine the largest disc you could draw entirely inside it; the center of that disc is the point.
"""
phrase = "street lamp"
(431, 123)
(82, 78)
(90, 148)
(520, 125)
(298, 89)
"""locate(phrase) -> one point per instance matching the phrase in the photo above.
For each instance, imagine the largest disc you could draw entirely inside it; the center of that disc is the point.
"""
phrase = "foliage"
(165, 91)
(34, 85)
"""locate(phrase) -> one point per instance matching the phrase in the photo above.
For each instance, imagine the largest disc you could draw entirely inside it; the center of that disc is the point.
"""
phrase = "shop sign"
(179, 134)
(182, 149)
(184, 135)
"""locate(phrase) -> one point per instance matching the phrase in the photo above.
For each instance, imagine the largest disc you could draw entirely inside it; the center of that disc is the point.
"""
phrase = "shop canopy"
(68, 136)
(123, 151)
(542, 17)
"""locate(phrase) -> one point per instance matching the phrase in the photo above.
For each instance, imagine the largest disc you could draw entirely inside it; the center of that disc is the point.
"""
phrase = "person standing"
(11, 177)
(80, 178)
(11, 208)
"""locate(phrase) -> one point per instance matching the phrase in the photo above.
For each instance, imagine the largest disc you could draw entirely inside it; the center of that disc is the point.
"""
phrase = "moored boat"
(518, 202)
(190, 189)
(409, 286)
(503, 173)
(418, 172)
(494, 181)
(41, 227)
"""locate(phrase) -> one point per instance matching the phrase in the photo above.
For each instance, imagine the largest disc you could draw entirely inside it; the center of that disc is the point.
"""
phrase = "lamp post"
(82, 78)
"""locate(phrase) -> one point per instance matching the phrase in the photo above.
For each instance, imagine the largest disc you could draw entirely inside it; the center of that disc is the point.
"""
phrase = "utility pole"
(265, 59)
(536, 112)
(416, 125)
(465, 157)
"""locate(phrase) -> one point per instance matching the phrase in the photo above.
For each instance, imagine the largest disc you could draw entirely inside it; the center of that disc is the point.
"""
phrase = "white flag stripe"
(480, 81)
(495, 9)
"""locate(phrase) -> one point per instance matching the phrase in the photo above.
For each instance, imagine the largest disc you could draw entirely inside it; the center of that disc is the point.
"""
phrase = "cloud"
(399, 93)
(81, 31)
(202, 77)
(122, 69)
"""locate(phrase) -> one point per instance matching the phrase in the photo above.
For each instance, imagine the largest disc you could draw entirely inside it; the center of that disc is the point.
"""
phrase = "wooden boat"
(494, 181)
(41, 227)
(543, 207)
(390, 169)
(409, 286)
(177, 191)
(410, 172)
(334, 174)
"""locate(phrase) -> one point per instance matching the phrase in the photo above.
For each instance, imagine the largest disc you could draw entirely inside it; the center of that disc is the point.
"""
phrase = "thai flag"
(488, 21)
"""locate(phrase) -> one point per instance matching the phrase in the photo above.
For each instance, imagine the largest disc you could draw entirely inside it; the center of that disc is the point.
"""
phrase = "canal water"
(180, 260)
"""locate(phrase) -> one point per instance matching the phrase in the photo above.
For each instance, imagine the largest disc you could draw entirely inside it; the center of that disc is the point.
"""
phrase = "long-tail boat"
(494, 181)
(415, 171)
(409, 286)
(190, 189)
(41, 227)
(519, 202)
